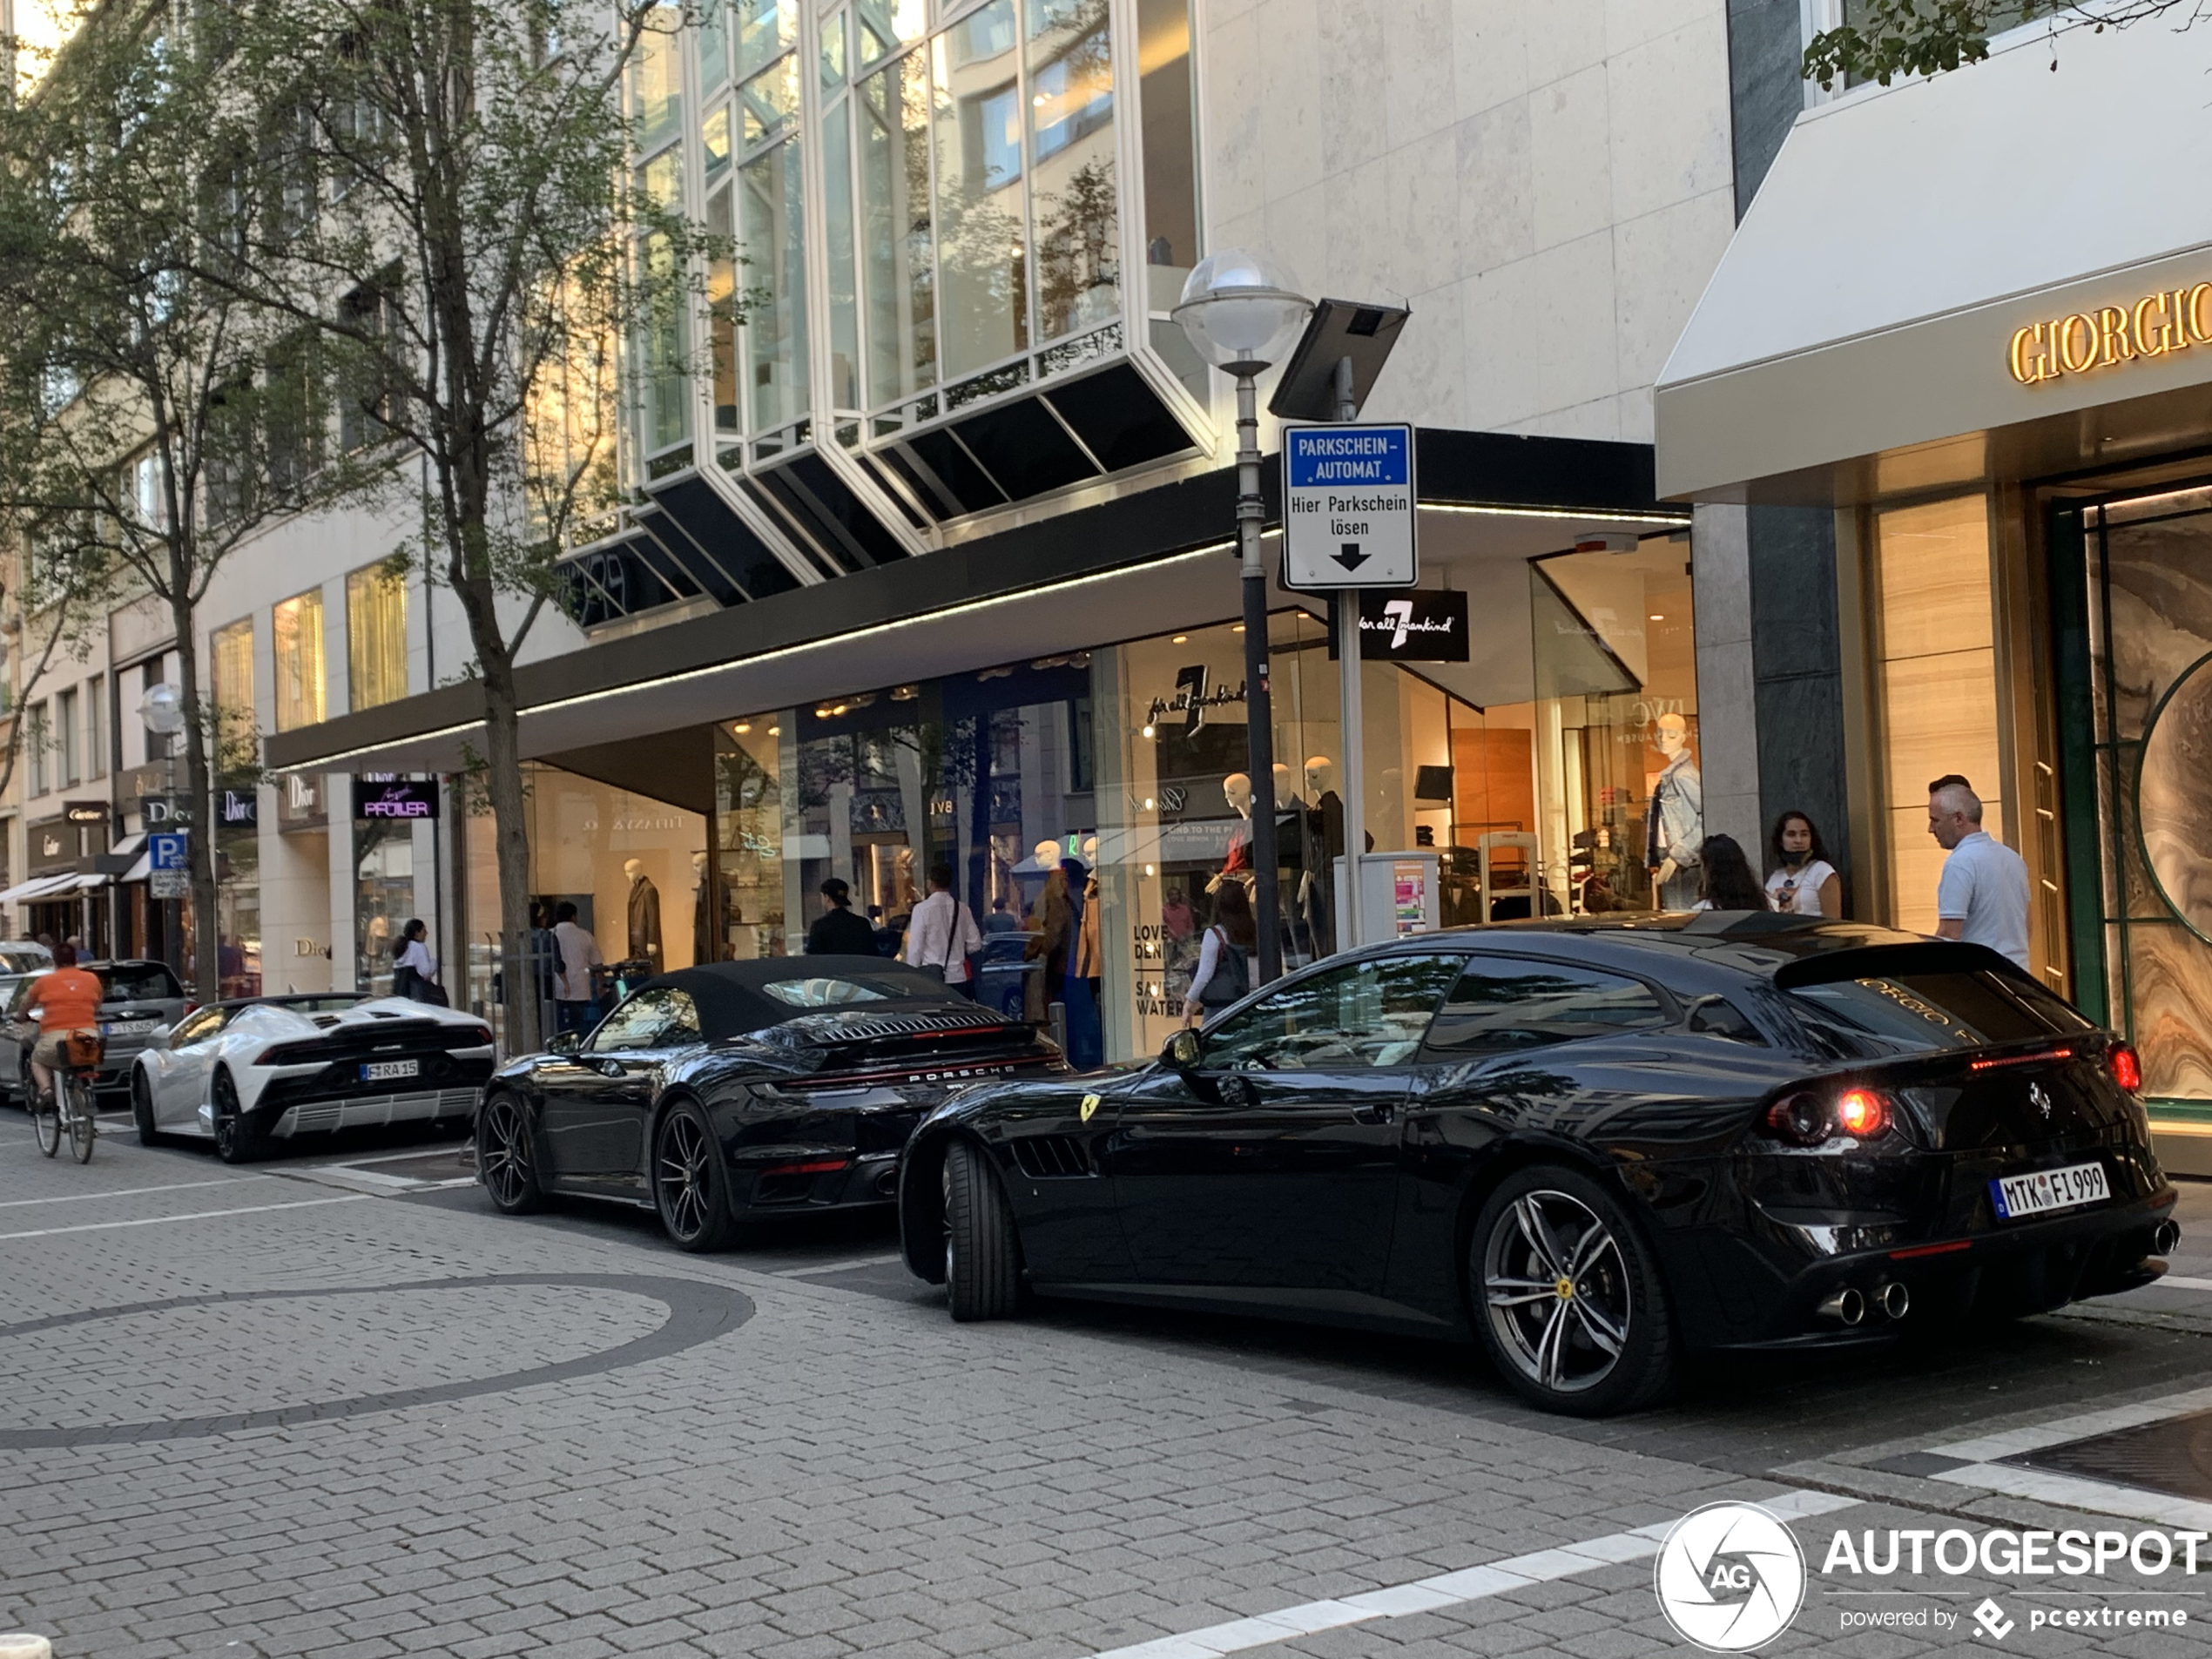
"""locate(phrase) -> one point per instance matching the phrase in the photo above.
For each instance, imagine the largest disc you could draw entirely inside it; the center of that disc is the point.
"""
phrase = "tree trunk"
(510, 837)
(199, 784)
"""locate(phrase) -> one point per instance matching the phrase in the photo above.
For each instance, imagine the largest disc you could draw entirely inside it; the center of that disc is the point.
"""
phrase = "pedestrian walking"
(1803, 882)
(941, 934)
(1225, 955)
(576, 990)
(1982, 895)
(414, 970)
(1724, 877)
(837, 932)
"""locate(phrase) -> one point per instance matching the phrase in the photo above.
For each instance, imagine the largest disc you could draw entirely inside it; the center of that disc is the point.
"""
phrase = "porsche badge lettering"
(1090, 1105)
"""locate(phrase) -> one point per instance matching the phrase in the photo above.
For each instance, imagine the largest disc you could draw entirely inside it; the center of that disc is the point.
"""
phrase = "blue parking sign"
(165, 851)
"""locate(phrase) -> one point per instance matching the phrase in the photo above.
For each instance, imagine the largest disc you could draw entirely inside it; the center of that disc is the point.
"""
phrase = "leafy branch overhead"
(1881, 40)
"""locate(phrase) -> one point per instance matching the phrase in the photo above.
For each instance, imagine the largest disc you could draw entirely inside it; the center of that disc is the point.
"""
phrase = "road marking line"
(836, 1267)
(197, 1215)
(1988, 1448)
(386, 1157)
(2075, 1491)
(1470, 1584)
(2180, 1282)
(132, 1192)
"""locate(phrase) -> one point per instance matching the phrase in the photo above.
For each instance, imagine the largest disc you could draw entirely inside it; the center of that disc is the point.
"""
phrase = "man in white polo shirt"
(1982, 896)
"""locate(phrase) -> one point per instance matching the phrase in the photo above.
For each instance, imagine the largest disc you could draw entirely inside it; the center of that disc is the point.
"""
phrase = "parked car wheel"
(1568, 1301)
(688, 1183)
(142, 1111)
(982, 1252)
(504, 1161)
(236, 1140)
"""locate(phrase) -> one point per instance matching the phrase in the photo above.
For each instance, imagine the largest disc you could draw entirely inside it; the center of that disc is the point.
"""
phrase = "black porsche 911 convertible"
(1588, 1146)
(743, 1091)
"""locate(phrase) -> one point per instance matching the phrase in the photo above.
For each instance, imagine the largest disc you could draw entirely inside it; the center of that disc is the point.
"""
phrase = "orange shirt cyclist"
(66, 999)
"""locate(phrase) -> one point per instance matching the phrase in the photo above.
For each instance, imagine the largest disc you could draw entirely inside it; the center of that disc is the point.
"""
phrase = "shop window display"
(2150, 697)
(1623, 813)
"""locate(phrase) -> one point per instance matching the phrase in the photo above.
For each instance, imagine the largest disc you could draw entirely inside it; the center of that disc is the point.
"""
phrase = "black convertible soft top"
(734, 997)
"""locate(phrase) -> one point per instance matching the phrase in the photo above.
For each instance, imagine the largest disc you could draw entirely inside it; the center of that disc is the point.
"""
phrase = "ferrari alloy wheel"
(1568, 1299)
(236, 1140)
(982, 1252)
(688, 1183)
(142, 1110)
(504, 1157)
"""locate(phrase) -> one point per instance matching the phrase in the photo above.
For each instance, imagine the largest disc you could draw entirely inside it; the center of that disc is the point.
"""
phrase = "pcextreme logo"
(1730, 1577)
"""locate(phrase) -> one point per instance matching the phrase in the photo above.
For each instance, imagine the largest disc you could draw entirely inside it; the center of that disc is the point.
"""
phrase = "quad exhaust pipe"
(1850, 1305)
(1847, 1304)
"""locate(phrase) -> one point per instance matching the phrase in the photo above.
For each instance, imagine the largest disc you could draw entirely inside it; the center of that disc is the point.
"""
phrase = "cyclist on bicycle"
(66, 1000)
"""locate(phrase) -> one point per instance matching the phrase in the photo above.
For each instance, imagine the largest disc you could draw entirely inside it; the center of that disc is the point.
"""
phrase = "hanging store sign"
(1420, 625)
(84, 811)
(2157, 325)
(397, 798)
(300, 801)
(239, 808)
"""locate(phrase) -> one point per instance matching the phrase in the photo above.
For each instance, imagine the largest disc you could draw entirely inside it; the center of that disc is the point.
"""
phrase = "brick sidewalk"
(836, 1475)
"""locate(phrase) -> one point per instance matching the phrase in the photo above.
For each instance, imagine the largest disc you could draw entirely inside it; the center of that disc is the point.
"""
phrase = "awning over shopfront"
(40, 886)
(1995, 273)
(1089, 576)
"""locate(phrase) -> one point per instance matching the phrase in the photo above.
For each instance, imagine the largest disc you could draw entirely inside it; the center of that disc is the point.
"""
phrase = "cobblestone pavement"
(264, 1413)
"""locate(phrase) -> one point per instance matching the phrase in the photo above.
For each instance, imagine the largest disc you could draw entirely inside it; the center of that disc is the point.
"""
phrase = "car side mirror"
(564, 1043)
(1183, 1051)
(159, 1037)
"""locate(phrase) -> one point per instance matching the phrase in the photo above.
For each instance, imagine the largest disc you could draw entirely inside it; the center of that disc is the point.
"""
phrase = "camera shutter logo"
(1730, 1577)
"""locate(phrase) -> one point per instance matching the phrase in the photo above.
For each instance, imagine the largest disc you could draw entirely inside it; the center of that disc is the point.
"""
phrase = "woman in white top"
(1806, 883)
(1223, 973)
(413, 954)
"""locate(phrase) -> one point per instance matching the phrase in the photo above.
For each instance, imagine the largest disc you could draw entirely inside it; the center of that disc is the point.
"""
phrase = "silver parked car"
(143, 999)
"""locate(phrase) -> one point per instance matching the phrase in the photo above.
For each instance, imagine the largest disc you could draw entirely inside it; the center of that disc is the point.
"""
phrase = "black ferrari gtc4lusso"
(743, 1091)
(1588, 1146)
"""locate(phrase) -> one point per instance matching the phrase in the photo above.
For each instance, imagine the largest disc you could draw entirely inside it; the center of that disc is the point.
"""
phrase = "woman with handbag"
(1225, 957)
(415, 974)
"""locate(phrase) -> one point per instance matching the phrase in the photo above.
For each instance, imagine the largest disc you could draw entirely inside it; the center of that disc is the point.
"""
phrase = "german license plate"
(386, 1071)
(129, 1027)
(2038, 1194)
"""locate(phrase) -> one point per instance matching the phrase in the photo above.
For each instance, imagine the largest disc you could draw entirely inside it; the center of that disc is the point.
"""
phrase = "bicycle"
(72, 1108)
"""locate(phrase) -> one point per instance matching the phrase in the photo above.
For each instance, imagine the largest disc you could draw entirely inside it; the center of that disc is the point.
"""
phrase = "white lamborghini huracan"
(253, 1072)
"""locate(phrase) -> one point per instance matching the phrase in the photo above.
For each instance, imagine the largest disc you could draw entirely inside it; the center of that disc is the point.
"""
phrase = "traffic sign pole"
(1352, 721)
(1260, 712)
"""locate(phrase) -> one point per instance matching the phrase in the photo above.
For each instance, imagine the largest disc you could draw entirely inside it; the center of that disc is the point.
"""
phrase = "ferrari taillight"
(2126, 1069)
(1813, 1117)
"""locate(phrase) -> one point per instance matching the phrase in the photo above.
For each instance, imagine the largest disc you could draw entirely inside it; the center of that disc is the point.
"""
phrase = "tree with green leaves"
(152, 422)
(1879, 40)
(479, 252)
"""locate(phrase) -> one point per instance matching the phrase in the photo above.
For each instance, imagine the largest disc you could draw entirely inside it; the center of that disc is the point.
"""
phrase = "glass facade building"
(958, 227)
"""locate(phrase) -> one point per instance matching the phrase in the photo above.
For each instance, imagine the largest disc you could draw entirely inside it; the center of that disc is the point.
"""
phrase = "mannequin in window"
(709, 943)
(1675, 826)
(644, 913)
(1237, 790)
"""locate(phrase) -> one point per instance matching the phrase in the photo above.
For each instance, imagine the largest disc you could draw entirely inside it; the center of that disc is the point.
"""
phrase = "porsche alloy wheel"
(236, 1140)
(688, 1183)
(982, 1252)
(1569, 1302)
(504, 1157)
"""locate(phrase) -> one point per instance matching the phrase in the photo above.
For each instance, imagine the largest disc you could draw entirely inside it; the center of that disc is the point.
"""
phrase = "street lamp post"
(1240, 310)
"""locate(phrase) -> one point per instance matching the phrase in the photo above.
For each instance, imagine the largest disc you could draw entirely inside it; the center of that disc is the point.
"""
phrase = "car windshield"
(835, 990)
(138, 981)
(23, 961)
(1924, 1013)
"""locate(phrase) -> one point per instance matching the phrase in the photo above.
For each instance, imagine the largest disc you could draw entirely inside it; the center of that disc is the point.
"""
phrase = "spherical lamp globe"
(1241, 310)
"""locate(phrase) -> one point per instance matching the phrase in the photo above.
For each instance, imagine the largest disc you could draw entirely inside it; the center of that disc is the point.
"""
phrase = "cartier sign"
(2156, 326)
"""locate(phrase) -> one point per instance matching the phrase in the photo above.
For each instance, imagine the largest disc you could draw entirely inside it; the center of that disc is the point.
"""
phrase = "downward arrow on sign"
(1351, 558)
